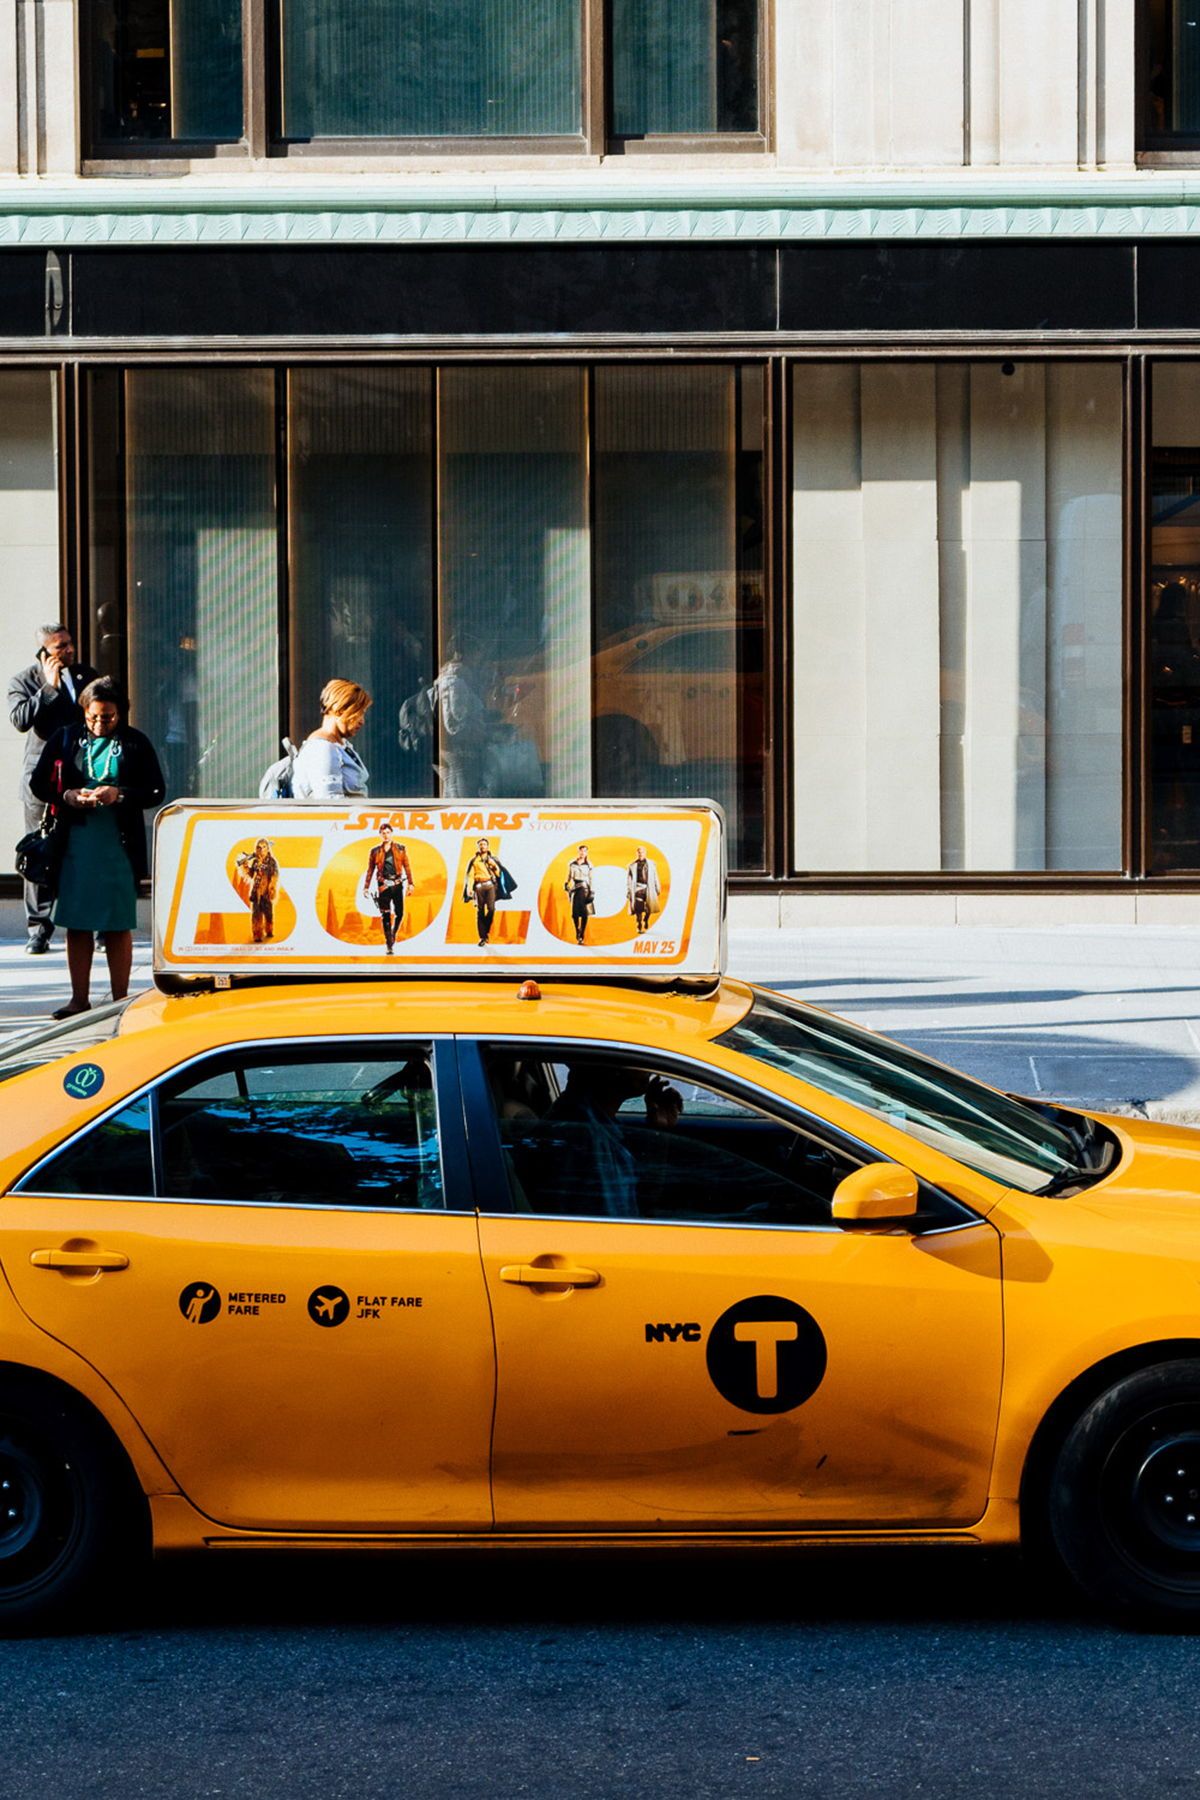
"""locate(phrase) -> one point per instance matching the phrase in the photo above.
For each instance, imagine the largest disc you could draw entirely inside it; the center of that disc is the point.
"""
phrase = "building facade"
(790, 402)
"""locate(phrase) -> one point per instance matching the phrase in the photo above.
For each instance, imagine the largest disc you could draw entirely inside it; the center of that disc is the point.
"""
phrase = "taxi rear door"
(271, 1255)
(728, 1358)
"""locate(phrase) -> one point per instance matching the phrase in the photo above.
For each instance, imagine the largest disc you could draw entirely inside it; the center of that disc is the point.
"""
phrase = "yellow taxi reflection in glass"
(427, 1261)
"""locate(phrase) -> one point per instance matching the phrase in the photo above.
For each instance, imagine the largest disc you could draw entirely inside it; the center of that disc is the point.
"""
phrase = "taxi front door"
(666, 1376)
(298, 1320)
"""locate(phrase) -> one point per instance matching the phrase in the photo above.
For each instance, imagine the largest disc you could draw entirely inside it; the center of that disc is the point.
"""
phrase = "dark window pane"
(430, 68)
(361, 509)
(677, 674)
(166, 70)
(1172, 100)
(320, 1128)
(203, 612)
(687, 67)
(113, 1158)
(600, 1137)
(1174, 618)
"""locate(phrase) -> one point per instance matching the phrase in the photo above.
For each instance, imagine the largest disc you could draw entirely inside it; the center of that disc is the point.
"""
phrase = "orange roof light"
(529, 990)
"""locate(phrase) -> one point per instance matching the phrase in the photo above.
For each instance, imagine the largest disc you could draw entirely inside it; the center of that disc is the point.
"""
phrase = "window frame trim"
(453, 1161)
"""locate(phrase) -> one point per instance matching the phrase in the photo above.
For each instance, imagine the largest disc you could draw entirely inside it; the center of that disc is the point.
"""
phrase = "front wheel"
(68, 1523)
(1124, 1499)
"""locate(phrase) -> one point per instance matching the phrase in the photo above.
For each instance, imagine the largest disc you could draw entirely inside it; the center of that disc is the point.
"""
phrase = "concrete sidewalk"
(1106, 1016)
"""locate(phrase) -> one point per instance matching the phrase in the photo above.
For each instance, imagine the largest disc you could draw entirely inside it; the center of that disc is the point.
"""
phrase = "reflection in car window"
(593, 1136)
(73, 1037)
(989, 1132)
(318, 1126)
(113, 1158)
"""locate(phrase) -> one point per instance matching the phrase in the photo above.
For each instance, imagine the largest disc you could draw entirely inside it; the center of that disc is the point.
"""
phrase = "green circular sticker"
(84, 1081)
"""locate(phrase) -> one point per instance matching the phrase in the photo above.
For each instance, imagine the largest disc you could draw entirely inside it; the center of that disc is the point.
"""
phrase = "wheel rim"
(41, 1511)
(1150, 1495)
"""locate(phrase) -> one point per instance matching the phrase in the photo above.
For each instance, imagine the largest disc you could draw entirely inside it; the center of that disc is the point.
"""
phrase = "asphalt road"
(916, 1673)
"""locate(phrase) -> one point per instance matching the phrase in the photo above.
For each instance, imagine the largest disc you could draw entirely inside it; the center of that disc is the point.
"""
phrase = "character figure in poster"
(487, 881)
(389, 869)
(579, 886)
(643, 889)
(258, 885)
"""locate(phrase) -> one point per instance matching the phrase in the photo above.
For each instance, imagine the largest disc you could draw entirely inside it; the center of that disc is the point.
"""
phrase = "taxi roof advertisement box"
(296, 888)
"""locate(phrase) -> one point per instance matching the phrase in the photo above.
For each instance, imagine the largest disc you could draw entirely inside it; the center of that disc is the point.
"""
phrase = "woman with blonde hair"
(327, 766)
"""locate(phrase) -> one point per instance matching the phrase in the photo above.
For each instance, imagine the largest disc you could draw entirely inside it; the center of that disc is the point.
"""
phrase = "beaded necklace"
(100, 759)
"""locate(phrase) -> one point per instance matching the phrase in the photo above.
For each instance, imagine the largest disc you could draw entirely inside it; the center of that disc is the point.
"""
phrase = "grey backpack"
(276, 784)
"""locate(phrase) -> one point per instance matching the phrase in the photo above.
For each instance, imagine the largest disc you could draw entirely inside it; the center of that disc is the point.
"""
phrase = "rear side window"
(307, 1127)
(112, 1159)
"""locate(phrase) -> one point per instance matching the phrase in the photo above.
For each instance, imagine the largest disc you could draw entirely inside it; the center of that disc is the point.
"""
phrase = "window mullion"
(254, 75)
(595, 85)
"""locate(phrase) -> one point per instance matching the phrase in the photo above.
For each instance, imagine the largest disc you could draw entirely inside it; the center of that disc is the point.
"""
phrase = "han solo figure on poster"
(578, 885)
(260, 873)
(642, 889)
(389, 868)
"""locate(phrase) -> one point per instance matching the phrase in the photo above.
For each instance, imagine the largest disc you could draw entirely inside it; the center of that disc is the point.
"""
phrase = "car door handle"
(78, 1259)
(549, 1275)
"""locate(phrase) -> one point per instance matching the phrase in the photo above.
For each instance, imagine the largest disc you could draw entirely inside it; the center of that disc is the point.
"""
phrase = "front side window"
(319, 1127)
(1003, 1138)
(587, 1135)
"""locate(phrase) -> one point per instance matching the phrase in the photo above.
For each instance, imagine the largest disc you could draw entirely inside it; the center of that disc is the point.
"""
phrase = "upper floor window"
(191, 76)
(1171, 80)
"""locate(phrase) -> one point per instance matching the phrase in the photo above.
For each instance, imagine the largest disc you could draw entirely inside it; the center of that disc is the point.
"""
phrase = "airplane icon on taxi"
(325, 1306)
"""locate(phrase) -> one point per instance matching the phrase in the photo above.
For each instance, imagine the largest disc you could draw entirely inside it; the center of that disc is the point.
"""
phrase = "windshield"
(74, 1036)
(1021, 1145)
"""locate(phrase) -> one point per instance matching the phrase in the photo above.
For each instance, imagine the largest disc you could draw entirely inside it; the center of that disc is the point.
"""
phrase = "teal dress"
(96, 889)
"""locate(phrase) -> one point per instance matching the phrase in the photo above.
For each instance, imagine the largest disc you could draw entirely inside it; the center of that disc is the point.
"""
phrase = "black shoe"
(38, 941)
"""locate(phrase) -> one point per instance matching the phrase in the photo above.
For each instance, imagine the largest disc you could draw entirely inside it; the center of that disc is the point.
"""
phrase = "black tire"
(72, 1520)
(1123, 1504)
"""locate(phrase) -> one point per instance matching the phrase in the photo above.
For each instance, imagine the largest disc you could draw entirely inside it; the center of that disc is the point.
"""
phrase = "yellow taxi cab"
(599, 1248)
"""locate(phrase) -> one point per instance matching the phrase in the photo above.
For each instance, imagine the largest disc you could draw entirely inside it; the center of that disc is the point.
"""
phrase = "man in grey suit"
(41, 699)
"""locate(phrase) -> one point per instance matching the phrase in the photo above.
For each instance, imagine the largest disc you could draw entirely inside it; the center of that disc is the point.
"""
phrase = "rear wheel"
(1124, 1501)
(68, 1520)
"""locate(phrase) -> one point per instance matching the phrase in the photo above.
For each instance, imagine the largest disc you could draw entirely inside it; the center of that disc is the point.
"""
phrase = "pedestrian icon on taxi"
(328, 1306)
(200, 1303)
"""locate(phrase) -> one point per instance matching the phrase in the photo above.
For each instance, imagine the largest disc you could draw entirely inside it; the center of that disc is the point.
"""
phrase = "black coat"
(39, 710)
(142, 785)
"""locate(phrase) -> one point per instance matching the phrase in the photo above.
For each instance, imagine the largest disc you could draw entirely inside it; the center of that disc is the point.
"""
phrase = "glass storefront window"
(361, 526)
(691, 67)
(514, 675)
(29, 555)
(678, 686)
(202, 606)
(430, 68)
(549, 577)
(1173, 619)
(165, 70)
(957, 552)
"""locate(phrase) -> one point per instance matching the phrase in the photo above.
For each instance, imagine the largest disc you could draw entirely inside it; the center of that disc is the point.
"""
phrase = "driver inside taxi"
(597, 1164)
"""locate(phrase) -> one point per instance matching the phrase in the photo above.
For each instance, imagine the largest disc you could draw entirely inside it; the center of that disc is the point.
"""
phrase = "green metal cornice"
(588, 205)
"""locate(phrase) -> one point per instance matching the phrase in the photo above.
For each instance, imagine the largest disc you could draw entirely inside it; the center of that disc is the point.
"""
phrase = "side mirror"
(876, 1194)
